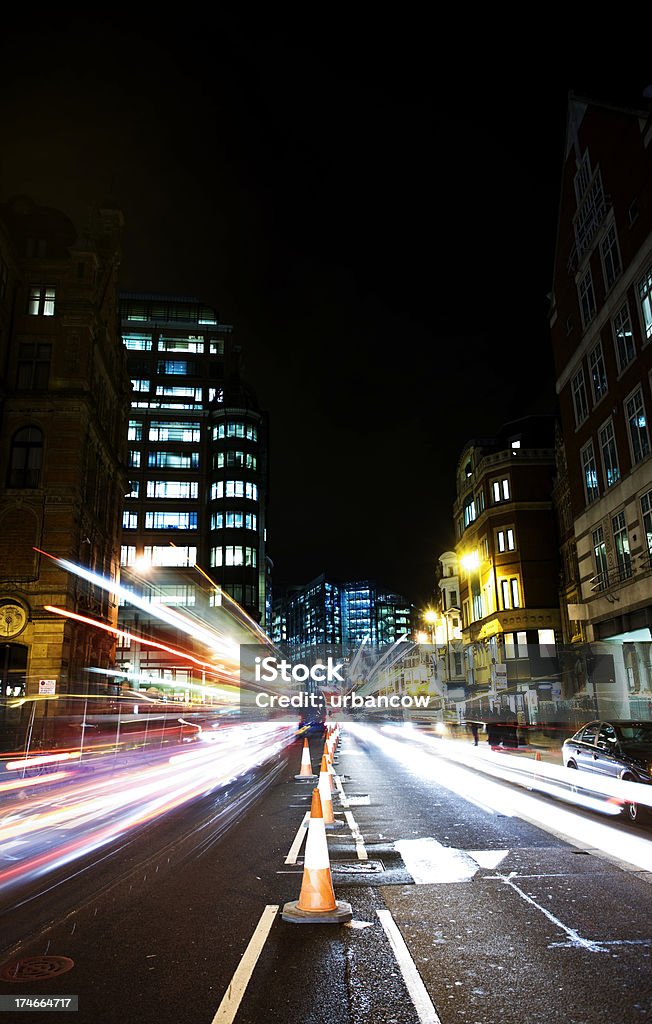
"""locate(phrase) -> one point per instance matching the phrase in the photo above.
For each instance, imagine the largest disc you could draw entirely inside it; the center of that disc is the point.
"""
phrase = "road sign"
(47, 686)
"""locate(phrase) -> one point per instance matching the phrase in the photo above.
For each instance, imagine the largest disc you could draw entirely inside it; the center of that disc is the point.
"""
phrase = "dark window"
(33, 366)
(26, 458)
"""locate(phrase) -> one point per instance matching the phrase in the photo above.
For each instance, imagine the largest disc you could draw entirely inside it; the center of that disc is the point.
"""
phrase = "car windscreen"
(638, 734)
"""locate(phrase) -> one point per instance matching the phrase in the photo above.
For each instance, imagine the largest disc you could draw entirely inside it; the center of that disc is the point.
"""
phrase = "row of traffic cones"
(317, 903)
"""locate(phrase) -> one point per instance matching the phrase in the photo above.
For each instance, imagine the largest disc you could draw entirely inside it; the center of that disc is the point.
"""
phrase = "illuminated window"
(179, 392)
(516, 645)
(137, 342)
(178, 367)
(127, 554)
(609, 454)
(246, 460)
(172, 489)
(193, 343)
(174, 431)
(621, 544)
(133, 459)
(41, 301)
(469, 510)
(233, 521)
(129, 520)
(645, 298)
(173, 460)
(509, 592)
(170, 520)
(232, 555)
(235, 428)
(234, 489)
(169, 555)
(140, 385)
(589, 473)
(637, 424)
(500, 490)
(134, 489)
(135, 432)
(505, 539)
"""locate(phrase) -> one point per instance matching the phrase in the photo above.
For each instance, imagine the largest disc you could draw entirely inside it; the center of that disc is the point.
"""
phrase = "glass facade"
(197, 491)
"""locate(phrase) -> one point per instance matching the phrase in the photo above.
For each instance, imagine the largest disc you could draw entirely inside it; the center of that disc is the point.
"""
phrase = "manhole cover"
(350, 867)
(35, 968)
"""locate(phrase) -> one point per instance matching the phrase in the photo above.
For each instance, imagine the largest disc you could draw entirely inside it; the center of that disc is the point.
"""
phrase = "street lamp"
(430, 616)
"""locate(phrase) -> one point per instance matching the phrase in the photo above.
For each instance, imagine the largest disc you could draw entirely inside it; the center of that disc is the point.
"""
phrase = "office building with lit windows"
(195, 506)
(601, 333)
(345, 613)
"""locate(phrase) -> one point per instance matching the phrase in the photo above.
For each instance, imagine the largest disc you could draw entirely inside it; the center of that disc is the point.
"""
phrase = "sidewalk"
(538, 746)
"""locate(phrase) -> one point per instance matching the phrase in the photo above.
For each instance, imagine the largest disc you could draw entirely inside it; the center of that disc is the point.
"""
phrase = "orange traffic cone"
(537, 756)
(306, 767)
(316, 903)
(325, 787)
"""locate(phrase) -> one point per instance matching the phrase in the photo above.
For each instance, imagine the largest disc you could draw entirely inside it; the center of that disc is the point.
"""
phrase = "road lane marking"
(343, 799)
(228, 1008)
(574, 938)
(357, 835)
(298, 840)
(418, 993)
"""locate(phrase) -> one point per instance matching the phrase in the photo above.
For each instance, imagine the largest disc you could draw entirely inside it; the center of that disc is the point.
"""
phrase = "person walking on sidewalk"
(474, 731)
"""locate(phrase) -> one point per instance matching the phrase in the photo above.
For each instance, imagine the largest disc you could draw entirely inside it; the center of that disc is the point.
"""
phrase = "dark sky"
(372, 206)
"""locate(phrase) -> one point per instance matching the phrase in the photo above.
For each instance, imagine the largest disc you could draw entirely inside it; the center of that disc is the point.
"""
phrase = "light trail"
(80, 814)
(451, 770)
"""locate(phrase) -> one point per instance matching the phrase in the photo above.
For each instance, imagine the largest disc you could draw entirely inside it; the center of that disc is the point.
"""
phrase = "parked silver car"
(620, 749)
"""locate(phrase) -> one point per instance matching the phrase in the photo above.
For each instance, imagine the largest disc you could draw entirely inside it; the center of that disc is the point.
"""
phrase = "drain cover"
(35, 968)
(350, 867)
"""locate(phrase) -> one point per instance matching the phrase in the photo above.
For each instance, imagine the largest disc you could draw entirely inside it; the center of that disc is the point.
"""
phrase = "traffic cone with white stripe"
(317, 903)
(306, 771)
(325, 787)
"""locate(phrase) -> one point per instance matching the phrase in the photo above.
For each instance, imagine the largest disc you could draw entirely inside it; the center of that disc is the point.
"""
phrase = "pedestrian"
(474, 730)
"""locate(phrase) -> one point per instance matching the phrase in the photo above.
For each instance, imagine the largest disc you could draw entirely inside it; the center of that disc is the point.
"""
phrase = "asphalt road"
(464, 909)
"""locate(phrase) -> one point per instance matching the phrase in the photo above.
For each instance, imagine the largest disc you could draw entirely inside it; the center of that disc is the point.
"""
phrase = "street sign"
(47, 686)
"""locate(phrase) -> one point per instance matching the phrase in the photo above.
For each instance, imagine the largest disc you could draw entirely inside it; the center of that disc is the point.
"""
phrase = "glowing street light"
(470, 561)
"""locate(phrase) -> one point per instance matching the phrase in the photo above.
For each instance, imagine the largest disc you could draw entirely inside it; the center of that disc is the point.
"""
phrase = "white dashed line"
(230, 1004)
(298, 840)
(418, 992)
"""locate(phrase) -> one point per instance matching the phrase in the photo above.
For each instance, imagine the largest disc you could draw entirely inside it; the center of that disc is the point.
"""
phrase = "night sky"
(371, 205)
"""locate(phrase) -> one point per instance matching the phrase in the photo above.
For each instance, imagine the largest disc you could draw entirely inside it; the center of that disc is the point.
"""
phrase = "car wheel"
(630, 810)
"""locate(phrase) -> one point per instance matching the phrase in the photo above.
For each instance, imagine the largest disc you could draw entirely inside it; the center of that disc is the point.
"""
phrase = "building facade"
(601, 329)
(64, 395)
(507, 553)
(194, 516)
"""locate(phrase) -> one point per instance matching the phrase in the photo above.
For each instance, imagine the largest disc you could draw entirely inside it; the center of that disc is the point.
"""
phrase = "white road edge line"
(228, 1008)
(298, 840)
(418, 992)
